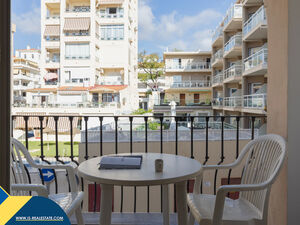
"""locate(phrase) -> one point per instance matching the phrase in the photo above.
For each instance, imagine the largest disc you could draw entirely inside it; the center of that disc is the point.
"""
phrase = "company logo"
(30, 210)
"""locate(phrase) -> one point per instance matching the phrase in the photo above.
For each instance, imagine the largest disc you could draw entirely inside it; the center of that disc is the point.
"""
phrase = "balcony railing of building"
(235, 101)
(193, 66)
(121, 134)
(255, 101)
(53, 60)
(233, 71)
(189, 103)
(259, 17)
(116, 134)
(77, 57)
(51, 38)
(234, 41)
(191, 84)
(218, 33)
(78, 34)
(50, 82)
(106, 15)
(257, 59)
(218, 102)
(217, 55)
(79, 9)
(53, 17)
(235, 12)
(218, 78)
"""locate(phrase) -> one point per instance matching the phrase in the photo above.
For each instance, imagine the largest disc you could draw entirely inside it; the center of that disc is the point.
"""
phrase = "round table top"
(176, 169)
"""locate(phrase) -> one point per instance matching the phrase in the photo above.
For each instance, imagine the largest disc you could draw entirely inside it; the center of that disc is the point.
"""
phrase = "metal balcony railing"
(57, 143)
(217, 55)
(259, 17)
(255, 101)
(191, 84)
(53, 60)
(218, 102)
(235, 101)
(78, 34)
(218, 78)
(234, 41)
(233, 71)
(53, 17)
(234, 12)
(257, 59)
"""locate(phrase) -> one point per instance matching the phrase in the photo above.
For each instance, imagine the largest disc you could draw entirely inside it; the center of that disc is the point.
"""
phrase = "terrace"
(257, 63)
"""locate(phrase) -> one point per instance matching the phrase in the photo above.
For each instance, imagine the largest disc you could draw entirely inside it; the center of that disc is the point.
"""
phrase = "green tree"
(151, 69)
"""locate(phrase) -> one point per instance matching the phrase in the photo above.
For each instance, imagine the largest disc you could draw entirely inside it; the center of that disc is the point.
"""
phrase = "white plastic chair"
(265, 158)
(69, 202)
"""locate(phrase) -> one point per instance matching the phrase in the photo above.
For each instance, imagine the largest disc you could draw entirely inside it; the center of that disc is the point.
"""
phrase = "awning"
(108, 2)
(33, 122)
(50, 76)
(63, 125)
(52, 30)
(76, 24)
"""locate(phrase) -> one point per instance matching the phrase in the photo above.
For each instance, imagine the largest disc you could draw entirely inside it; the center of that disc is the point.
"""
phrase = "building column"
(5, 94)
(278, 97)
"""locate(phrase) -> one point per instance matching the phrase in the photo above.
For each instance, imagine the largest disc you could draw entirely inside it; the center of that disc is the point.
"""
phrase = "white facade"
(88, 43)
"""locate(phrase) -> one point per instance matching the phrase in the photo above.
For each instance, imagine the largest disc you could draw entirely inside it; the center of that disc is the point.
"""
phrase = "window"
(111, 12)
(254, 87)
(110, 97)
(112, 32)
(177, 79)
(78, 51)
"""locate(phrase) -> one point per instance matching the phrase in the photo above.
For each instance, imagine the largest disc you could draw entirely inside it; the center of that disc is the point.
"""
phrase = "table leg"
(106, 204)
(182, 209)
(166, 204)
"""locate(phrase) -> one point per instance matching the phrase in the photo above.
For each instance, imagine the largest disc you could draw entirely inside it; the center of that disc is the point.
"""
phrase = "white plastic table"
(177, 170)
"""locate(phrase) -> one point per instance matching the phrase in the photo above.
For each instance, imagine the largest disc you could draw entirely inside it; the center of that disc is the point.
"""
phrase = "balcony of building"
(248, 3)
(257, 63)
(217, 59)
(110, 15)
(78, 7)
(217, 103)
(255, 103)
(256, 28)
(233, 48)
(233, 103)
(52, 42)
(217, 80)
(190, 67)
(233, 18)
(192, 84)
(217, 38)
(234, 73)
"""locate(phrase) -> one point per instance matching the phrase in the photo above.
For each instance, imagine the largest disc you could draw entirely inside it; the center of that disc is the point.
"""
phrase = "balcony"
(194, 67)
(77, 34)
(217, 103)
(256, 27)
(233, 18)
(96, 136)
(233, 48)
(52, 43)
(52, 63)
(255, 102)
(191, 84)
(232, 103)
(233, 74)
(252, 2)
(217, 79)
(52, 20)
(257, 63)
(217, 59)
(217, 38)
(79, 9)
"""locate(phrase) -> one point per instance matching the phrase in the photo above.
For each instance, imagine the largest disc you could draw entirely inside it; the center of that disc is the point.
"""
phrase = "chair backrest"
(266, 155)
(19, 171)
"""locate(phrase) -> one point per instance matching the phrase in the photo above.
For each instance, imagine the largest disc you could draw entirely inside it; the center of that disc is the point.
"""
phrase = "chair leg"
(79, 217)
(191, 219)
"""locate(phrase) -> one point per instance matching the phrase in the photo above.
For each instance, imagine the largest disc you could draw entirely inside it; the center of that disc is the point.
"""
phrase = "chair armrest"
(222, 192)
(40, 189)
(70, 171)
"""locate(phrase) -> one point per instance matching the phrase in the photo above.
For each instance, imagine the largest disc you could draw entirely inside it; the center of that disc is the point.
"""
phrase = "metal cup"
(159, 165)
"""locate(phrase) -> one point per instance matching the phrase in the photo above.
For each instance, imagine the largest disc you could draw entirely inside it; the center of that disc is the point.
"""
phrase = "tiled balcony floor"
(129, 219)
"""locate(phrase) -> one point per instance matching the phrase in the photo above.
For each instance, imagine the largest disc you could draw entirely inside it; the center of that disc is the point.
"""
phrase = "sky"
(163, 24)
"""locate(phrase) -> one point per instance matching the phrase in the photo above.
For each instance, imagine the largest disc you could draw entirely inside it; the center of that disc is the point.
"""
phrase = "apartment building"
(26, 74)
(88, 54)
(188, 84)
(239, 62)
